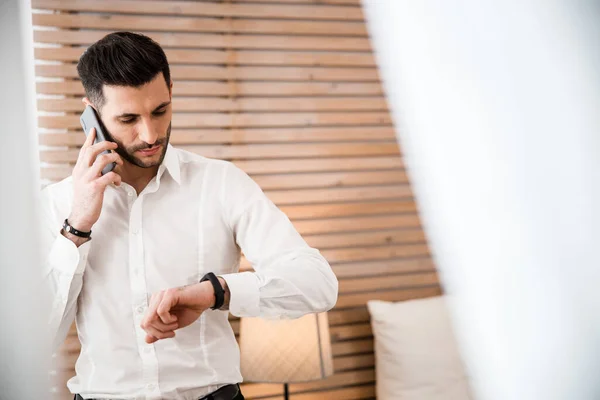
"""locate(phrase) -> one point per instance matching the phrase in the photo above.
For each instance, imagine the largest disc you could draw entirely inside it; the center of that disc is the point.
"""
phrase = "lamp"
(286, 351)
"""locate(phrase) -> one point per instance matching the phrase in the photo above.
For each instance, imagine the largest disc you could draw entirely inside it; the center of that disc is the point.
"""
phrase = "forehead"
(135, 100)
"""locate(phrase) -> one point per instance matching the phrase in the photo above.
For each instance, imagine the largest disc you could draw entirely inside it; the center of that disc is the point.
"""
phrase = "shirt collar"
(171, 164)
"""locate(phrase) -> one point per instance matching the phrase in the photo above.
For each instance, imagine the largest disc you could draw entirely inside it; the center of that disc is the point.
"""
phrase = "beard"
(128, 153)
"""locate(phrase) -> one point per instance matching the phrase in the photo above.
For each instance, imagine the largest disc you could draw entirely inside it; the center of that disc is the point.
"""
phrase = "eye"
(128, 121)
(159, 113)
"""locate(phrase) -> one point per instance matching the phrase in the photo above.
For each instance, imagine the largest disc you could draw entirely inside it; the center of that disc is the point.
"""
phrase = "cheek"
(162, 124)
(122, 133)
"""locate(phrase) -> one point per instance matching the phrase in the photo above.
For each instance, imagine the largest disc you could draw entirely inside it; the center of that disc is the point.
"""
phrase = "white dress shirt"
(192, 218)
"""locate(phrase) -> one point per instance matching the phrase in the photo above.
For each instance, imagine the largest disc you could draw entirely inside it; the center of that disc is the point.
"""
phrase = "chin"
(149, 161)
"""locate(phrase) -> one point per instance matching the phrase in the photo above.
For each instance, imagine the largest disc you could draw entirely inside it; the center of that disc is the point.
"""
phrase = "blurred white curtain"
(497, 109)
(23, 305)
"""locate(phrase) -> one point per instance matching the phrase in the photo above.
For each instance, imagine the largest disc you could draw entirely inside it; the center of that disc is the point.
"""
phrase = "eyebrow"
(131, 115)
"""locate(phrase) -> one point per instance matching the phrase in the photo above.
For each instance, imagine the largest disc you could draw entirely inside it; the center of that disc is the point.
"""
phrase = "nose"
(147, 132)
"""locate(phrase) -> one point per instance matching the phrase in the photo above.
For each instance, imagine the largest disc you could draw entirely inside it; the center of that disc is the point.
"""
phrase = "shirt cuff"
(66, 257)
(244, 300)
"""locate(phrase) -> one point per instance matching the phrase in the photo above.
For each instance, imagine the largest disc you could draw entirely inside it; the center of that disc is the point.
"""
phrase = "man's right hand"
(89, 184)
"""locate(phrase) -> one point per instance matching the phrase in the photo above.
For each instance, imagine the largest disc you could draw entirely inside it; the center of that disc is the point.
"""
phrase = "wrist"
(200, 295)
(79, 224)
(78, 241)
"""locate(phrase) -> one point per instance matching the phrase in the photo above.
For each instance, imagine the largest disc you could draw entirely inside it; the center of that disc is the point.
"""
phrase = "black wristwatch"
(219, 291)
(68, 228)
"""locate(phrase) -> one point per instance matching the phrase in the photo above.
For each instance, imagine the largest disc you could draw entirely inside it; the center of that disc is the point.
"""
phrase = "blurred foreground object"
(496, 106)
(23, 370)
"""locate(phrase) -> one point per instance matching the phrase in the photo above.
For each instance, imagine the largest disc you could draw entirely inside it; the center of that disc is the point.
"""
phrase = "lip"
(151, 151)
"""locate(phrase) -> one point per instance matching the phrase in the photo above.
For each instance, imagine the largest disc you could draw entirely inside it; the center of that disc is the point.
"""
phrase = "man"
(141, 286)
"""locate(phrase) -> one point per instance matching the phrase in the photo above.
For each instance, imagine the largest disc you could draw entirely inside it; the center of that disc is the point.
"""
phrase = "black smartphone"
(89, 119)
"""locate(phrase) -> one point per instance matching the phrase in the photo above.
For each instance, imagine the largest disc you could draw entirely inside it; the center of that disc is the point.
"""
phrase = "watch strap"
(218, 288)
(68, 228)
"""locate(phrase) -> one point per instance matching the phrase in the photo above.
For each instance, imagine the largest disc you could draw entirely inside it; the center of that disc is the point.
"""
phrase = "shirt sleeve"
(291, 279)
(63, 270)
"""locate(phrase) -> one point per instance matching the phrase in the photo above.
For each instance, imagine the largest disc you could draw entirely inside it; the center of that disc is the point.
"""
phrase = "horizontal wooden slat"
(354, 300)
(317, 164)
(207, 104)
(353, 362)
(376, 238)
(330, 179)
(350, 331)
(352, 347)
(259, 151)
(234, 120)
(348, 316)
(383, 267)
(337, 380)
(195, 24)
(233, 57)
(354, 224)
(212, 41)
(188, 8)
(312, 211)
(234, 73)
(212, 88)
(337, 195)
(375, 253)
(387, 282)
(350, 393)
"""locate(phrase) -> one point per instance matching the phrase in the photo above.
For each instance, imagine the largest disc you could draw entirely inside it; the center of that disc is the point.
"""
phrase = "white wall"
(22, 303)
(497, 107)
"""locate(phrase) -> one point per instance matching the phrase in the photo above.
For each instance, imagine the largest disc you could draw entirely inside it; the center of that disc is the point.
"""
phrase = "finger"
(89, 140)
(107, 179)
(151, 325)
(150, 339)
(101, 162)
(91, 152)
(154, 301)
(159, 326)
(156, 334)
(168, 301)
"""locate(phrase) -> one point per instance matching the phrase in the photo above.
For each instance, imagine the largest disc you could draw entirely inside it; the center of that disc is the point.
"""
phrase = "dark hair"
(121, 59)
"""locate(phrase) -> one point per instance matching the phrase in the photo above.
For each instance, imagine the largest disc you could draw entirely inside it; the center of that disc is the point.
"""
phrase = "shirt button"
(135, 231)
(150, 386)
(130, 194)
(140, 310)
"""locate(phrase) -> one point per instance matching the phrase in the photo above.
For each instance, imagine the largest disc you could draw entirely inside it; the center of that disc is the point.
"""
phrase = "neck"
(136, 176)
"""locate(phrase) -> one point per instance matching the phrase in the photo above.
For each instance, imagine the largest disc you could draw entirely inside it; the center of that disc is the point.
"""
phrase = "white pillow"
(415, 351)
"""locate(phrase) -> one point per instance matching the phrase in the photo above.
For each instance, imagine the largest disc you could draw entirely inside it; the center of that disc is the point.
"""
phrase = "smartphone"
(89, 119)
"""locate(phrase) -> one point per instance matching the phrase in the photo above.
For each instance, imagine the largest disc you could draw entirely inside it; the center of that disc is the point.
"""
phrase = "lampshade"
(285, 351)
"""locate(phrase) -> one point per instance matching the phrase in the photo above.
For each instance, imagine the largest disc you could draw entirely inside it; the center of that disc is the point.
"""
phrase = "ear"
(171, 90)
(87, 102)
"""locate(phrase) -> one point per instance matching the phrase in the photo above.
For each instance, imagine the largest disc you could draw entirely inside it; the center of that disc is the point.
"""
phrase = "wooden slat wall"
(289, 91)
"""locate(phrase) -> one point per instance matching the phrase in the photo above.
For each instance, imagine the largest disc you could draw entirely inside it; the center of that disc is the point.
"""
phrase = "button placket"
(139, 292)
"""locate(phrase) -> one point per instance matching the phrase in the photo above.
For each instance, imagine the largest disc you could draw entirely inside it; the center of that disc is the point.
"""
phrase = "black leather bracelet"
(68, 228)
(219, 291)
